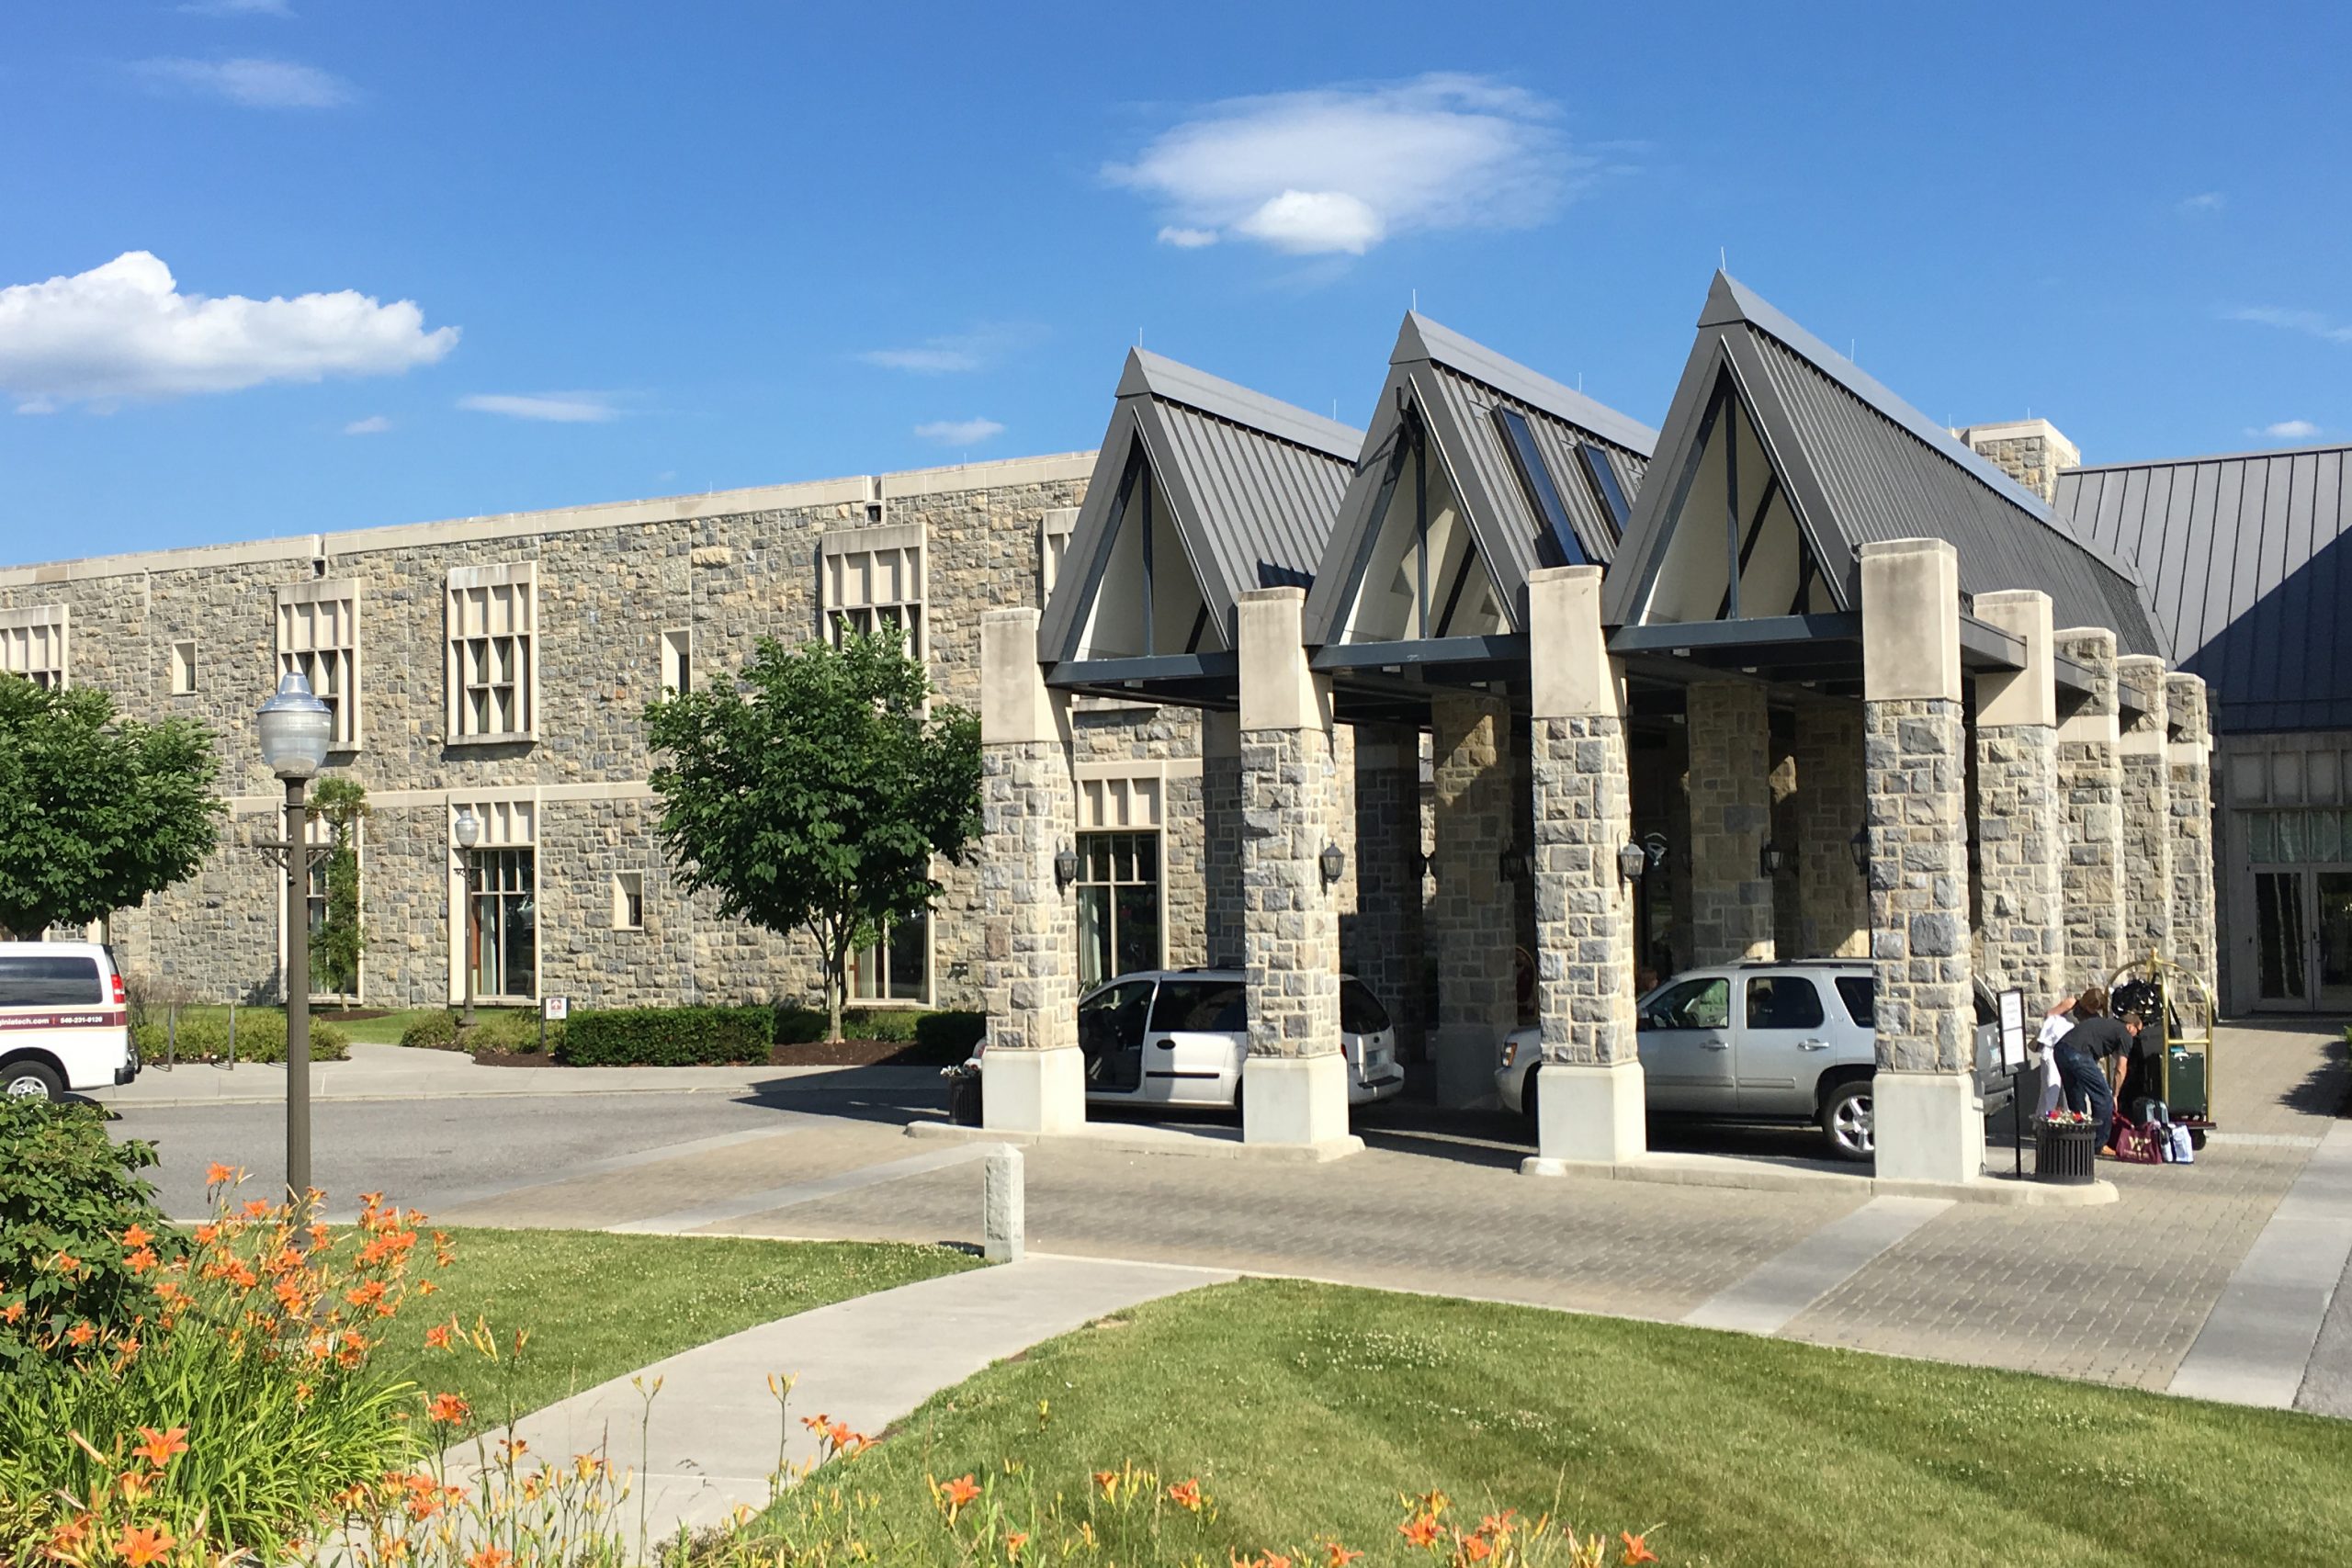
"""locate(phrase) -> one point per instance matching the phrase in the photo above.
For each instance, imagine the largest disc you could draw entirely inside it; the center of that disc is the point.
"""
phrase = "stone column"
(1221, 835)
(1927, 1120)
(2191, 755)
(1731, 813)
(2145, 880)
(2020, 829)
(1294, 1083)
(1032, 1079)
(1381, 943)
(2090, 888)
(1588, 1102)
(1471, 920)
(1833, 903)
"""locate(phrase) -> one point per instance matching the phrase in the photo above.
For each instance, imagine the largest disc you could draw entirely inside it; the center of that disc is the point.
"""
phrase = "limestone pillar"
(1731, 815)
(2020, 829)
(1589, 1104)
(2090, 780)
(1031, 1076)
(1294, 1084)
(2191, 755)
(2145, 774)
(1381, 943)
(1472, 919)
(1832, 904)
(1221, 835)
(1927, 1122)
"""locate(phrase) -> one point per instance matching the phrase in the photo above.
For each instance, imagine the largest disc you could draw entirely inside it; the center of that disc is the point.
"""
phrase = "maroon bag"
(2133, 1143)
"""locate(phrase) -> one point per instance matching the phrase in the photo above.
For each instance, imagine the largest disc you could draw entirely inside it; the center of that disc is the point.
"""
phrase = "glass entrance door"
(2331, 926)
(2282, 939)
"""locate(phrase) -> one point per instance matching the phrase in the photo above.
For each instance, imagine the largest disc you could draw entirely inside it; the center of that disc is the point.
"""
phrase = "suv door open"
(1783, 1045)
(1685, 1042)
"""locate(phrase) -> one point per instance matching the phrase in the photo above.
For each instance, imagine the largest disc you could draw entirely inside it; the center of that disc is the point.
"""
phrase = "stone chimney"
(2030, 451)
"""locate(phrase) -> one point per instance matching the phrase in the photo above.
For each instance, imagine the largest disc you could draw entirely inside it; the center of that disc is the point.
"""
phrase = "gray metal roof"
(1863, 464)
(2246, 562)
(1457, 384)
(1252, 486)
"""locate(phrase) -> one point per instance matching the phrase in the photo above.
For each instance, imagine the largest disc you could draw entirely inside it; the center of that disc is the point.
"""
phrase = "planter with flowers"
(2066, 1148)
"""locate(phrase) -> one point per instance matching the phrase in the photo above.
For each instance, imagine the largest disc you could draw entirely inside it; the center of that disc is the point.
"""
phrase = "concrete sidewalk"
(714, 1435)
(401, 1072)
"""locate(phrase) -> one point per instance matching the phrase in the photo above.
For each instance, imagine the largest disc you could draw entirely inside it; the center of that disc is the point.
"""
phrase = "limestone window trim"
(184, 669)
(34, 643)
(492, 673)
(509, 820)
(629, 900)
(873, 577)
(318, 637)
(1054, 531)
(677, 660)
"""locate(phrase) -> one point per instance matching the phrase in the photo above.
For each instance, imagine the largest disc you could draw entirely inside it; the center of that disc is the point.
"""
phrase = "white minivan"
(65, 1022)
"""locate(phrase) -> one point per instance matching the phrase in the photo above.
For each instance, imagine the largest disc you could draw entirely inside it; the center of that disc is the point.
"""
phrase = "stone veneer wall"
(2020, 840)
(1470, 920)
(1584, 910)
(1731, 805)
(1913, 750)
(2090, 783)
(1381, 943)
(1832, 904)
(2191, 796)
(2031, 452)
(1221, 839)
(1290, 919)
(1030, 922)
(2146, 800)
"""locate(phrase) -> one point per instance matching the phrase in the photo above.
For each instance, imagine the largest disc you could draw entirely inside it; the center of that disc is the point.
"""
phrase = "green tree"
(336, 942)
(97, 811)
(818, 793)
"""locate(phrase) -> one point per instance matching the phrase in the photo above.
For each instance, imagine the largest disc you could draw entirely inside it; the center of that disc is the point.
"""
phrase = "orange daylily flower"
(65, 1263)
(437, 1336)
(489, 1557)
(447, 1408)
(1186, 1494)
(1421, 1530)
(13, 1313)
(1636, 1548)
(144, 1545)
(1108, 1480)
(160, 1448)
(1340, 1555)
(216, 1174)
(137, 1235)
(1476, 1549)
(1013, 1542)
(142, 1260)
(81, 1334)
(958, 1492)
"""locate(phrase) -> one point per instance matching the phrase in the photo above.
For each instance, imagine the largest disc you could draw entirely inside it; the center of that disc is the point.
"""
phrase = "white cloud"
(551, 408)
(2310, 323)
(1339, 169)
(2204, 201)
(374, 425)
(238, 7)
(254, 84)
(956, 352)
(2291, 430)
(959, 432)
(124, 330)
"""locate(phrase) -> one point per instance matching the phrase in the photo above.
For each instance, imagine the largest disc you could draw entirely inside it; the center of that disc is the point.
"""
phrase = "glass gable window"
(1603, 474)
(1535, 474)
(504, 935)
(1118, 905)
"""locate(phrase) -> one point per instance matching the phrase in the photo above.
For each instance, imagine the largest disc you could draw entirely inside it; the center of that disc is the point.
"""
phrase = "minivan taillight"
(118, 998)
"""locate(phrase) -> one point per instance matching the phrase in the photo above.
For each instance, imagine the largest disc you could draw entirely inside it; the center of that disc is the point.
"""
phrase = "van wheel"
(31, 1080)
(1846, 1121)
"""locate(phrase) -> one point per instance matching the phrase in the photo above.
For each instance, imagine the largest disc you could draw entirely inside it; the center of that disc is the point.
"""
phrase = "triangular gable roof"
(1252, 484)
(1457, 384)
(1863, 464)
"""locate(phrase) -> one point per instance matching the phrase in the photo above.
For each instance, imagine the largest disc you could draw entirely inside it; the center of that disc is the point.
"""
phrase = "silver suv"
(1765, 1041)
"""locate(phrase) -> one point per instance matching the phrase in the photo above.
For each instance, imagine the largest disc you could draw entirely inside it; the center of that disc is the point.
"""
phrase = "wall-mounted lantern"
(1773, 859)
(1335, 863)
(1511, 864)
(1861, 846)
(1632, 861)
(1065, 867)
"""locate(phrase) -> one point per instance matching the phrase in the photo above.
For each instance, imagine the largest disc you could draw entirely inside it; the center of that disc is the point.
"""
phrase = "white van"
(65, 1022)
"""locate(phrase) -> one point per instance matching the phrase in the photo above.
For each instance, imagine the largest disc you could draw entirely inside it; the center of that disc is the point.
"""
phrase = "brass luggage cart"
(2184, 1025)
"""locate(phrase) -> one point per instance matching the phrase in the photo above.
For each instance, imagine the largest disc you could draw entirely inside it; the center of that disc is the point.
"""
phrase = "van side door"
(1110, 1036)
(1191, 1052)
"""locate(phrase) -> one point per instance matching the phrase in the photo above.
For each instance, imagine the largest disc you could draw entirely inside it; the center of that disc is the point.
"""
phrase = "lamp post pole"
(298, 991)
(469, 830)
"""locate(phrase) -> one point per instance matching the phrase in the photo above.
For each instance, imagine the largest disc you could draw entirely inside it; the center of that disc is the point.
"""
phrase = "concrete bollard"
(1005, 1223)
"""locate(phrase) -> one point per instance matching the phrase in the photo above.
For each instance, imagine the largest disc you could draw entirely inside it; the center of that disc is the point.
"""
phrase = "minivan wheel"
(1846, 1121)
(31, 1080)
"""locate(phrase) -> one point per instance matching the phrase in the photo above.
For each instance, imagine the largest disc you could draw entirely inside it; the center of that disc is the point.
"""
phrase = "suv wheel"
(31, 1080)
(1846, 1121)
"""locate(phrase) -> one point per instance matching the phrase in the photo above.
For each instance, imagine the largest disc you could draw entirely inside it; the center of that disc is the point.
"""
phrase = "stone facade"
(1221, 836)
(1584, 910)
(2019, 834)
(2090, 782)
(1030, 923)
(1832, 904)
(1470, 920)
(1381, 944)
(2146, 799)
(1731, 805)
(2030, 451)
(1290, 918)
(1916, 760)
(2191, 796)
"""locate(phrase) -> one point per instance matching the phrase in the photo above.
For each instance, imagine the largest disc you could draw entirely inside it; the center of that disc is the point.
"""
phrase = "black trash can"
(2065, 1152)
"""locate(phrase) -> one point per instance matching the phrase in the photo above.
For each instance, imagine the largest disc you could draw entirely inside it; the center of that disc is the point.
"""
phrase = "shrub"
(261, 1037)
(69, 1198)
(797, 1026)
(943, 1033)
(894, 1026)
(435, 1031)
(667, 1037)
(514, 1030)
(954, 1032)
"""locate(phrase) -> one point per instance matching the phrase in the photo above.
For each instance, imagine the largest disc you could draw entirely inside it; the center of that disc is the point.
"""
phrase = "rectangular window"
(504, 933)
(678, 662)
(32, 643)
(1535, 476)
(1603, 474)
(493, 668)
(183, 668)
(50, 980)
(327, 978)
(1118, 905)
(871, 579)
(318, 637)
(896, 968)
(629, 900)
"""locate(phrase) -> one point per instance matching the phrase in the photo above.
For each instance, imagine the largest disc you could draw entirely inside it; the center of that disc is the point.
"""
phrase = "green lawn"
(384, 1030)
(599, 1305)
(1306, 1410)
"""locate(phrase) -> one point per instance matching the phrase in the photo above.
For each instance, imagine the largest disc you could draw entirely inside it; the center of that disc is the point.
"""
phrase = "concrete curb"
(261, 1085)
(1761, 1175)
(1135, 1139)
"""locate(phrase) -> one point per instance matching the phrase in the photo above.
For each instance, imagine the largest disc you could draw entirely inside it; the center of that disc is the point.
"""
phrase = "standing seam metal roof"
(2245, 561)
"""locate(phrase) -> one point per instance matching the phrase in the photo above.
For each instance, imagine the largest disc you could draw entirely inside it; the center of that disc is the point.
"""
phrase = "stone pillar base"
(1588, 1115)
(1033, 1092)
(1926, 1126)
(1294, 1100)
(1465, 1056)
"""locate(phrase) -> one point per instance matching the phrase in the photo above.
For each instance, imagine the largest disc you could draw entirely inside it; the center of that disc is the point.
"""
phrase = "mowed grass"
(1306, 1410)
(597, 1306)
(384, 1030)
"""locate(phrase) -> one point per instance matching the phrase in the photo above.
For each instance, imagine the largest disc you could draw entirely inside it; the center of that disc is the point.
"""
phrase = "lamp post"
(469, 830)
(296, 731)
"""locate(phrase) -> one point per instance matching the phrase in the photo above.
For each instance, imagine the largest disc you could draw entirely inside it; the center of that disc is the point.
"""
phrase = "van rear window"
(49, 980)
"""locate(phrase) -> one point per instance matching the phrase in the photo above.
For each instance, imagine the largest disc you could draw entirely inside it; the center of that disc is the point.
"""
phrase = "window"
(329, 978)
(493, 652)
(872, 578)
(32, 643)
(183, 668)
(896, 968)
(1360, 1010)
(1858, 992)
(50, 980)
(1603, 474)
(1535, 474)
(1118, 905)
(494, 901)
(1113, 1019)
(629, 900)
(1783, 1001)
(1202, 1007)
(1704, 1003)
(678, 662)
(318, 637)
(1053, 548)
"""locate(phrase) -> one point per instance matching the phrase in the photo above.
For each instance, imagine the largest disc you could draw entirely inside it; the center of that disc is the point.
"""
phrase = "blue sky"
(432, 260)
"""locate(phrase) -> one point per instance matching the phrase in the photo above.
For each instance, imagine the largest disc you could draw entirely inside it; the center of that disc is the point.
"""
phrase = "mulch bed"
(846, 1053)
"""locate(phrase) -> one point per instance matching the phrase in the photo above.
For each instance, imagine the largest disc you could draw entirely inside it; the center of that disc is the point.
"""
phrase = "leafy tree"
(336, 944)
(819, 794)
(97, 811)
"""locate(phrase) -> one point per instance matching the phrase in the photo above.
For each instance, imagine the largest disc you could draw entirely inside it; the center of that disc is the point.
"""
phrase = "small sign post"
(2012, 1060)
(555, 1008)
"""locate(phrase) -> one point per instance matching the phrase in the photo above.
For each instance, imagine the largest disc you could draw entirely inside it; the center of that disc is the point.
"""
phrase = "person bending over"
(2084, 1059)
